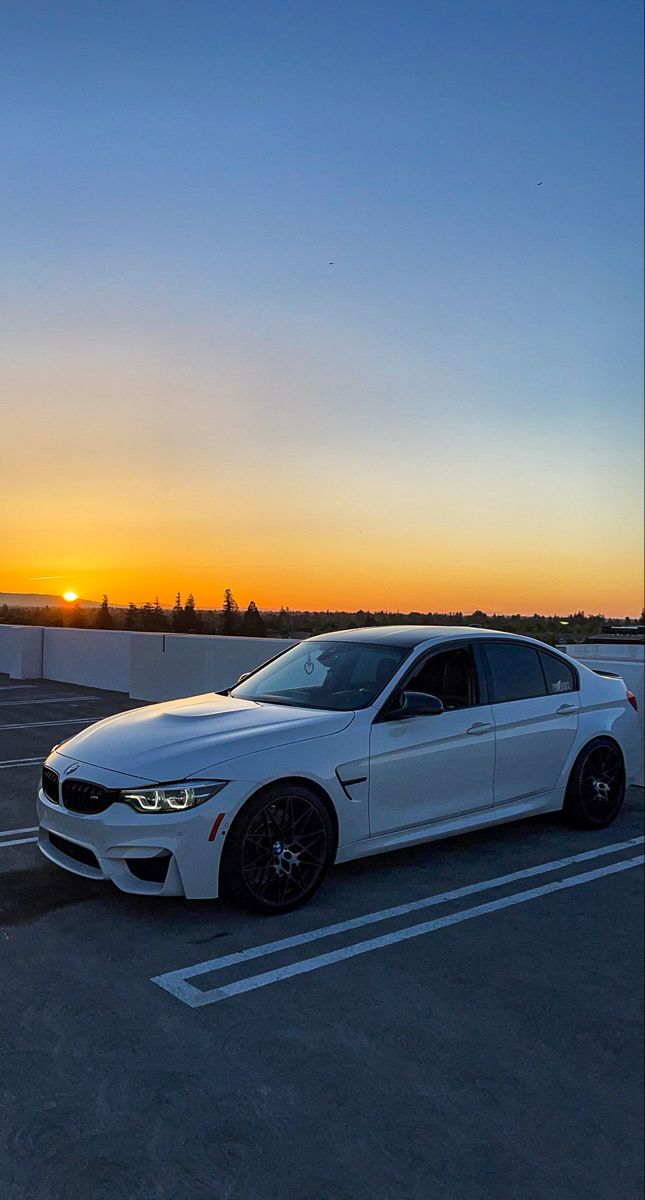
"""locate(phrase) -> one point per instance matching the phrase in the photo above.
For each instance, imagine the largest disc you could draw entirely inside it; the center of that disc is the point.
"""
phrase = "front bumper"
(167, 855)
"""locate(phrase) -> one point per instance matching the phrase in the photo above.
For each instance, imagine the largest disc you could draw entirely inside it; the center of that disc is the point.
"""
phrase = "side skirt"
(465, 823)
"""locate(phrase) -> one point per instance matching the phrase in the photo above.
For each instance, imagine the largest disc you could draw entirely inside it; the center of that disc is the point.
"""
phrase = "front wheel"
(278, 850)
(596, 787)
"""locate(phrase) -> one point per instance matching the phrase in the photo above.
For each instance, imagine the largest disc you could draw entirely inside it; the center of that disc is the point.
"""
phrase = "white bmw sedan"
(345, 745)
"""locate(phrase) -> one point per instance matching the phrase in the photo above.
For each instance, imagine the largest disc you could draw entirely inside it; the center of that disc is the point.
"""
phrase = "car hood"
(181, 738)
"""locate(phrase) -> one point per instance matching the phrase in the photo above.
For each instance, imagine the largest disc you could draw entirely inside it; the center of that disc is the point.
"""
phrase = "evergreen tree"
(77, 617)
(104, 618)
(177, 615)
(147, 617)
(131, 617)
(230, 615)
(283, 623)
(191, 619)
(252, 623)
(160, 616)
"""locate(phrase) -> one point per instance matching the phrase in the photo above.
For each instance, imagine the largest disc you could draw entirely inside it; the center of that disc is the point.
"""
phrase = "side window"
(516, 671)
(559, 675)
(450, 676)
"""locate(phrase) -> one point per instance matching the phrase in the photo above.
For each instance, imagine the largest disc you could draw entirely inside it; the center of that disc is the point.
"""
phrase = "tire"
(278, 851)
(596, 788)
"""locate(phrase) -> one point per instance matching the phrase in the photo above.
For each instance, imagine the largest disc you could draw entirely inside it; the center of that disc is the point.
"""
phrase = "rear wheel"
(278, 850)
(596, 787)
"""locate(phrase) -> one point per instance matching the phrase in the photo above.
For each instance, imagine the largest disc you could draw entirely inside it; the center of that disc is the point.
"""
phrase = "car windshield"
(332, 675)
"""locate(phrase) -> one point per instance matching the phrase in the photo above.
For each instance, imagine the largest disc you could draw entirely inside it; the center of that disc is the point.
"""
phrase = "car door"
(536, 706)
(427, 768)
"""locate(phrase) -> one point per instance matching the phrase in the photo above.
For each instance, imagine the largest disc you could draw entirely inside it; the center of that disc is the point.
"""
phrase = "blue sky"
(177, 180)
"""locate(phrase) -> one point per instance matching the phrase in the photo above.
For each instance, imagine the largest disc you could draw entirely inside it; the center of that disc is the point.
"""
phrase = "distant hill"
(33, 600)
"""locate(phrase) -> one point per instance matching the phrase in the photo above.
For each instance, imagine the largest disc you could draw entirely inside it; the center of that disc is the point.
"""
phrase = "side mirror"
(243, 676)
(416, 704)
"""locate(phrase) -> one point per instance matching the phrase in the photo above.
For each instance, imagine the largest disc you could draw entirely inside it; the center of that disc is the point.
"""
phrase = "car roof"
(409, 636)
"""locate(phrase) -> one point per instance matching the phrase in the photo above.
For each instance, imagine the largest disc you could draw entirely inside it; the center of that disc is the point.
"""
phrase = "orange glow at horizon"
(305, 506)
(309, 586)
(376, 575)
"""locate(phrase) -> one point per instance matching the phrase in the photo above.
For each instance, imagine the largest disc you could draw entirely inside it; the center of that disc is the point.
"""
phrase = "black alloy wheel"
(278, 850)
(596, 788)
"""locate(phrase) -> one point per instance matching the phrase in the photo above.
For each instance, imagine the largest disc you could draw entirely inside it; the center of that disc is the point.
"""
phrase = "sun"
(70, 596)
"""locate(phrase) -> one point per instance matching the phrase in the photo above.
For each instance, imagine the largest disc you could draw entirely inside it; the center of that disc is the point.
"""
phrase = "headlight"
(173, 797)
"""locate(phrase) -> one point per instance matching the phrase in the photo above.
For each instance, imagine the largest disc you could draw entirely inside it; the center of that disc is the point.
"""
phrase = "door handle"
(564, 709)
(480, 727)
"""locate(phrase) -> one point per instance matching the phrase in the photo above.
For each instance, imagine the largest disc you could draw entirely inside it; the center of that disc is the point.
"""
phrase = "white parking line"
(17, 687)
(56, 700)
(10, 832)
(42, 724)
(19, 762)
(176, 983)
(18, 842)
(250, 984)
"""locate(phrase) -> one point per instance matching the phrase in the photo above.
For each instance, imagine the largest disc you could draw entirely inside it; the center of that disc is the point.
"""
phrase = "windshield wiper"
(271, 699)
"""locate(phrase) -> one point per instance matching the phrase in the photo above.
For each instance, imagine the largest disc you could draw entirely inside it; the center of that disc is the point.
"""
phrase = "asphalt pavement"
(483, 1041)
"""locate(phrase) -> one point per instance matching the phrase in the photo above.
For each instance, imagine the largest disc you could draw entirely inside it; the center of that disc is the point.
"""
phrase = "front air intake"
(79, 854)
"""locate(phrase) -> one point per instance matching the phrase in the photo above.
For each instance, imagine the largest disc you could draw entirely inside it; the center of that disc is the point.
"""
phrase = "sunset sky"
(336, 304)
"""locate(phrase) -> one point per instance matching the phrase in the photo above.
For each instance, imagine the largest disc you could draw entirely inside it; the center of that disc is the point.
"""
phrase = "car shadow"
(29, 895)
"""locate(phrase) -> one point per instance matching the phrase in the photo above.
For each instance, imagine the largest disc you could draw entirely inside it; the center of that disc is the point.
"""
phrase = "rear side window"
(559, 676)
(516, 671)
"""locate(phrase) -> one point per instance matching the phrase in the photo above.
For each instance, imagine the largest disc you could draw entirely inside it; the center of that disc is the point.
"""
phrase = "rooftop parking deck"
(495, 1055)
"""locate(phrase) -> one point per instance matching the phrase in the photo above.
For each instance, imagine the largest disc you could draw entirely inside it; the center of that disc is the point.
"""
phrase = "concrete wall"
(21, 651)
(166, 666)
(147, 666)
(89, 657)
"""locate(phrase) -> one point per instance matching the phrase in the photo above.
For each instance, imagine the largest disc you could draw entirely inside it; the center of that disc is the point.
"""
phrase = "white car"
(343, 746)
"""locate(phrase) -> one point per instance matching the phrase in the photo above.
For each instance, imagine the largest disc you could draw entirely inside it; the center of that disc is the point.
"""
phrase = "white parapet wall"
(21, 651)
(146, 666)
(90, 657)
(167, 666)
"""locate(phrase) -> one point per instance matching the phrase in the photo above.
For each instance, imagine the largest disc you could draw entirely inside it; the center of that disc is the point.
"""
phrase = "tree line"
(181, 618)
(230, 621)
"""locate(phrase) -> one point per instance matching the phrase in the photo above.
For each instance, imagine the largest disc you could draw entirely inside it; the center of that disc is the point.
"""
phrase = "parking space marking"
(176, 983)
(195, 999)
(17, 687)
(8, 763)
(60, 721)
(25, 829)
(18, 842)
(56, 700)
